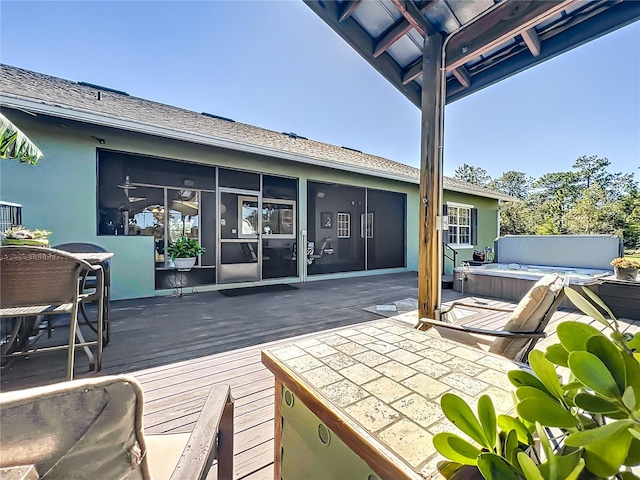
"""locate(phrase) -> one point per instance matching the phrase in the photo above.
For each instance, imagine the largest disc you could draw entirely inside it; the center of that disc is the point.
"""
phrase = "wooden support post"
(429, 273)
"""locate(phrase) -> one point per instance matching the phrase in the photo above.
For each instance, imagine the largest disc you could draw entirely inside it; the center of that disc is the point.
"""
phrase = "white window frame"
(343, 225)
(366, 225)
(293, 208)
(241, 199)
(457, 225)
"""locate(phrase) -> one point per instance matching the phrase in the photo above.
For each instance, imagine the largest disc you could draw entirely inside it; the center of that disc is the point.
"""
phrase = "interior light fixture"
(320, 194)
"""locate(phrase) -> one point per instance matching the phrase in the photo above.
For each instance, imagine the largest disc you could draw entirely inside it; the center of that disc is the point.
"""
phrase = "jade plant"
(584, 427)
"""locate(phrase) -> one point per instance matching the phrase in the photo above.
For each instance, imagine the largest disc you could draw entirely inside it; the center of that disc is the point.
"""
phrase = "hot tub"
(512, 281)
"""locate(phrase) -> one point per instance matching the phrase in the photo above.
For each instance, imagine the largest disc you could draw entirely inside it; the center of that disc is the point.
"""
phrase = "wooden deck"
(179, 347)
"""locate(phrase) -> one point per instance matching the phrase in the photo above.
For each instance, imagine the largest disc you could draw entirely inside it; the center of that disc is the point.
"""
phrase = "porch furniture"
(95, 255)
(42, 281)
(92, 428)
(523, 328)
(364, 402)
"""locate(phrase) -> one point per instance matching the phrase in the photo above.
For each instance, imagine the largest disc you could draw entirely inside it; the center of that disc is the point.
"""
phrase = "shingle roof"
(80, 100)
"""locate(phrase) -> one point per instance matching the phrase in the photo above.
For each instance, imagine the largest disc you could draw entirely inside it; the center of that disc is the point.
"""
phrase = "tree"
(513, 183)
(474, 175)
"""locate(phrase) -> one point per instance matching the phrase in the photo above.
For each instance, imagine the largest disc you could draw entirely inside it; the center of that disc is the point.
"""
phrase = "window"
(344, 225)
(460, 224)
(278, 218)
(366, 225)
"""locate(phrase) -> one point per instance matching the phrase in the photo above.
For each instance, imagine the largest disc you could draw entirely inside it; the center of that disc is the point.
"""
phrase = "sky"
(277, 65)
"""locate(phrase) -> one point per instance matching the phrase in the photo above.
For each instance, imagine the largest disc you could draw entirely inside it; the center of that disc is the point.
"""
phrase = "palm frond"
(15, 144)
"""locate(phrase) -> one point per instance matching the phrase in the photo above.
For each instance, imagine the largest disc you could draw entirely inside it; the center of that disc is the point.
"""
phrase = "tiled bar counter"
(363, 403)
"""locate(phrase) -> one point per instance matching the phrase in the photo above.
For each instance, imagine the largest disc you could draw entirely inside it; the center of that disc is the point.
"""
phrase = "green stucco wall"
(487, 224)
(60, 193)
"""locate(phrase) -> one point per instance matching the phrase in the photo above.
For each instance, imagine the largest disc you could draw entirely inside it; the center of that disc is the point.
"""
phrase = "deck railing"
(10, 215)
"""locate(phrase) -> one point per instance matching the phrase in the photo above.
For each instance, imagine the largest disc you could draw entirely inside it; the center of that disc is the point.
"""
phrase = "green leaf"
(575, 473)
(574, 335)
(529, 468)
(632, 368)
(633, 455)
(568, 463)
(629, 398)
(546, 373)
(598, 301)
(508, 423)
(531, 392)
(487, 416)
(460, 414)
(587, 437)
(551, 463)
(521, 378)
(494, 467)
(453, 470)
(590, 370)
(557, 354)
(511, 447)
(585, 306)
(568, 387)
(604, 458)
(594, 404)
(611, 356)
(628, 476)
(456, 448)
(634, 343)
(546, 411)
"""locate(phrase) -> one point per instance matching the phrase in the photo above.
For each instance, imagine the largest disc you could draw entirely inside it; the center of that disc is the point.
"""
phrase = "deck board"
(178, 348)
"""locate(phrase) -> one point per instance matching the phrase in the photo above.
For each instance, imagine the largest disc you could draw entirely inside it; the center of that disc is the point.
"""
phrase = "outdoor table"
(101, 258)
(364, 402)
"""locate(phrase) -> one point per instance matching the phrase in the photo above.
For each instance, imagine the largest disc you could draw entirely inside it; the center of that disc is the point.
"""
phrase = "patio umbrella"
(15, 144)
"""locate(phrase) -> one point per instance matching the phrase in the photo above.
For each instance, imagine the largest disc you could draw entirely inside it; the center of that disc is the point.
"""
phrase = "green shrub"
(587, 427)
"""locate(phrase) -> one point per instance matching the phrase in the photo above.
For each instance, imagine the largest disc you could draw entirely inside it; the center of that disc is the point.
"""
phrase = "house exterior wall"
(60, 193)
(487, 224)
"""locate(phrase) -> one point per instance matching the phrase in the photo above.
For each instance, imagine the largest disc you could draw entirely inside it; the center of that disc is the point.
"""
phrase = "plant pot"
(628, 274)
(184, 263)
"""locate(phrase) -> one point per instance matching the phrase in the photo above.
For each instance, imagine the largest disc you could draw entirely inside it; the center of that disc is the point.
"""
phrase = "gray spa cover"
(76, 430)
(571, 251)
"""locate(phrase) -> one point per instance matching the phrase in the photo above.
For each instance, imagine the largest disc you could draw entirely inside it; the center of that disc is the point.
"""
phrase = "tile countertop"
(384, 381)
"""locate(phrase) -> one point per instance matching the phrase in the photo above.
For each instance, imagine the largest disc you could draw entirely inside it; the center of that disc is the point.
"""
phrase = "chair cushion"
(528, 315)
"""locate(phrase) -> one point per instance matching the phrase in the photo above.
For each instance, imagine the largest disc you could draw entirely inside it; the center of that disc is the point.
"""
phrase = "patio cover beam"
(429, 265)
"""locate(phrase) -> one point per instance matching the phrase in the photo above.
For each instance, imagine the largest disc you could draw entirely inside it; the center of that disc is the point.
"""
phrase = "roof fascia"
(494, 195)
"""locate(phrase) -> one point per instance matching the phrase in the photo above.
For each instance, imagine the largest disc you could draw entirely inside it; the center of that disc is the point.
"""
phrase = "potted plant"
(184, 251)
(582, 425)
(626, 268)
(24, 236)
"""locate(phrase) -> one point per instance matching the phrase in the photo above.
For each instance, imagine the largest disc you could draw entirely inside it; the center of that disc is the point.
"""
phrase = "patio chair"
(524, 327)
(42, 281)
(92, 428)
(89, 286)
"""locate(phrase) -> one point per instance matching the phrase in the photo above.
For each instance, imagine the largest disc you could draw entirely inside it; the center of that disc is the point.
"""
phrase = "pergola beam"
(396, 31)
(414, 16)
(532, 40)
(349, 7)
(505, 21)
(358, 38)
(463, 76)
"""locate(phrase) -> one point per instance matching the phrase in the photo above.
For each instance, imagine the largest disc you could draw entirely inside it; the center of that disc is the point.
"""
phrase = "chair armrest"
(479, 307)
(212, 438)
(481, 331)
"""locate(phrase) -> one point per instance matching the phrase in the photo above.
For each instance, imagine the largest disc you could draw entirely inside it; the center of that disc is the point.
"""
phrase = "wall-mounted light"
(101, 141)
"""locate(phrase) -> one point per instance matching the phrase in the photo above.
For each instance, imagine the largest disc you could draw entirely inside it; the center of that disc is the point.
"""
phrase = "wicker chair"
(89, 286)
(41, 281)
(92, 428)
